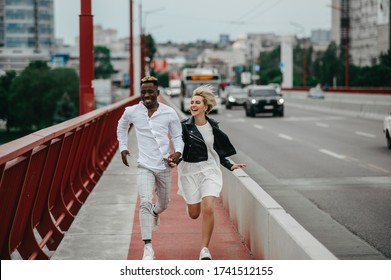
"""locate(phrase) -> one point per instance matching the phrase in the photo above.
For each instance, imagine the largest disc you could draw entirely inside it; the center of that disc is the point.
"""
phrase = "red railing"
(46, 177)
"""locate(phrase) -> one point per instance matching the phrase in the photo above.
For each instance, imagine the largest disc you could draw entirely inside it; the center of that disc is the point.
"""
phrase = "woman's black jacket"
(195, 148)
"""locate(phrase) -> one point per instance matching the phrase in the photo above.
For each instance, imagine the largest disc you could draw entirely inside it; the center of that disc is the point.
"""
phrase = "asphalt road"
(331, 172)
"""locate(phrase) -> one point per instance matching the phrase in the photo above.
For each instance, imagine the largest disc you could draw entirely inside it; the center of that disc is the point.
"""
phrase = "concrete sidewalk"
(107, 226)
(179, 237)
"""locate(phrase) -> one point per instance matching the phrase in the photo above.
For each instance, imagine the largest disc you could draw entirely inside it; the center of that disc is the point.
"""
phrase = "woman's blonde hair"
(207, 94)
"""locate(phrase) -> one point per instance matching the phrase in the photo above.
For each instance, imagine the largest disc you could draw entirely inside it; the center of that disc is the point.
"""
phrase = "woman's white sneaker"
(205, 254)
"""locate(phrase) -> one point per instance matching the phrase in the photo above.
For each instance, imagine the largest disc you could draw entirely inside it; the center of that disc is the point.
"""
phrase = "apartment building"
(367, 25)
(26, 32)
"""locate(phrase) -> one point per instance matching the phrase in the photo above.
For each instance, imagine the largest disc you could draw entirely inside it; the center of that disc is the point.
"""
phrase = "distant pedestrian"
(200, 177)
(154, 122)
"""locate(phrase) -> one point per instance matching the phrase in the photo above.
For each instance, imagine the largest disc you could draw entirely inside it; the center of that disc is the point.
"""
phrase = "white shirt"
(152, 133)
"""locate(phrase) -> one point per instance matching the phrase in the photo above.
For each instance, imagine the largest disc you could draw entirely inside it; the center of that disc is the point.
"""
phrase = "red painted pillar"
(86, 60)
(142, 58)
(131, 65)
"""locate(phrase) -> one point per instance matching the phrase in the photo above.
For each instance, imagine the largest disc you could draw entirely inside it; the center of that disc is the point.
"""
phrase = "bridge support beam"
(86, 60)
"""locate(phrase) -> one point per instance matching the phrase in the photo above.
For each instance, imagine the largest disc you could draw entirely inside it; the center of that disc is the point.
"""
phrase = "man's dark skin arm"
(124, 156)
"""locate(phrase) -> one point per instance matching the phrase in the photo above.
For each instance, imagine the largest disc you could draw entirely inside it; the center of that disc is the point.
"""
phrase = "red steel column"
(131, 66)
(142, 59)
(86, 60)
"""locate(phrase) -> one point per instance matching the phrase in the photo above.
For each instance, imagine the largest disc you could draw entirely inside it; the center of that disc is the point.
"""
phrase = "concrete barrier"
(269, 232)
(371, 106)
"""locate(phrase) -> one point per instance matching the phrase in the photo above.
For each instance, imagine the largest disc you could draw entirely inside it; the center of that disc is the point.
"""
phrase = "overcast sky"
(191, 20)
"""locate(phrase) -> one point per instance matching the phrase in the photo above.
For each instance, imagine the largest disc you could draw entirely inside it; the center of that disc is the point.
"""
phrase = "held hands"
(173, 159)
(238, 165)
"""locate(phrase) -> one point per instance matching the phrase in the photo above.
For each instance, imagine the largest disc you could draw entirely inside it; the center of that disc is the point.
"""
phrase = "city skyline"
(188, 21)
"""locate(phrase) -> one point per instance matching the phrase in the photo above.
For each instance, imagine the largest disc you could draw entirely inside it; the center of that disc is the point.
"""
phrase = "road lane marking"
(285, 137)
(330, 153)
(229, 115)
(365, 134)
(305, 119)
(378, 168)
(258, 126)
(236, 120)
(322, 124)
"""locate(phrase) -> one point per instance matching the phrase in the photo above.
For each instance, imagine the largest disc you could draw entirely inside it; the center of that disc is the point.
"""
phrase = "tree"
(326, 65)
(102, 64)
(5, 84)
(385, 58)
(269, 70)
(163, 78)
(34, 93)
(65, 109)
(151, 47)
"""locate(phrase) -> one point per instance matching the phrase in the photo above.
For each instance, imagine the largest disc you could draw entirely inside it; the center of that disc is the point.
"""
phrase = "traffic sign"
(239, 68)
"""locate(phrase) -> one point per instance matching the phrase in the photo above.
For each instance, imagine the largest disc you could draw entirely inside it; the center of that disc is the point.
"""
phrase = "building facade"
(366, 23)
(26, 32)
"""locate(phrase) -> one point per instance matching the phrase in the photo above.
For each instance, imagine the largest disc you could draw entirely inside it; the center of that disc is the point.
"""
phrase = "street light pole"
(143, 36)
(142, 66)
(304, 62)
(86, 59)
(304, 53)
(131, 65)
(345, 24)
(252, 62)
(345, 29)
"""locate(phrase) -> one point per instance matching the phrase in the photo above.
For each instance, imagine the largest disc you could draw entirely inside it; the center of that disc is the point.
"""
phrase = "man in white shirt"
(154, 123)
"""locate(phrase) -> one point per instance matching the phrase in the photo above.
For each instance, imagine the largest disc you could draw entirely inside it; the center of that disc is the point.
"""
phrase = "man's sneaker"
(155, 222)
(149, 254)
(205, 254)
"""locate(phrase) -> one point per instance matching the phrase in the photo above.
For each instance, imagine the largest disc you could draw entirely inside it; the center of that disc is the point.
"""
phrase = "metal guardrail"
(348, 90)
(45, 178)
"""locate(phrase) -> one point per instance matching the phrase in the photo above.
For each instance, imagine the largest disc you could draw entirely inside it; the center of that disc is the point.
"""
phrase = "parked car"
(235, 97)
(263, 99)
(316, 92)
(387, 130)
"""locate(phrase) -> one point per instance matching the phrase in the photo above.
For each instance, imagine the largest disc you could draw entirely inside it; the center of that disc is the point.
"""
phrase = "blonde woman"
(200, 177)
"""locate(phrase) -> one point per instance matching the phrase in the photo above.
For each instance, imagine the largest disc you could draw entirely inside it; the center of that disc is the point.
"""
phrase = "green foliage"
(302, 64)
(102, 64)
(375, 76)
(385, 58)
(5, 84)
(328, 65)
(65, 109)
(35, 92)
(324, 67)
(163, 78)
(270, 71)
(151, 47)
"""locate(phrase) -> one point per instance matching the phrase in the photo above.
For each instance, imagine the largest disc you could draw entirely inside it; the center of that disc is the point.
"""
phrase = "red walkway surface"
(179, 237)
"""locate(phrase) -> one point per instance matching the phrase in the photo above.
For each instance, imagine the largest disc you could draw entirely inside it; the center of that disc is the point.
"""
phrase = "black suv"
(263, 99)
